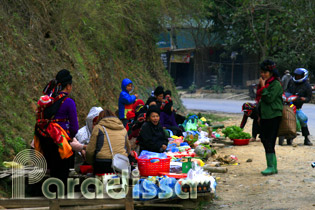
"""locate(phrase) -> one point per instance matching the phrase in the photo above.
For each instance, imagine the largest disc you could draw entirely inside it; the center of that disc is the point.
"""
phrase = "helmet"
(300, 71)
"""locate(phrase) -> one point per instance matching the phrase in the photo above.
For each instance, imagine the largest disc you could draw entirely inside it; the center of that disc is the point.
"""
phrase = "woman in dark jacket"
(167, 117)
(152, 136)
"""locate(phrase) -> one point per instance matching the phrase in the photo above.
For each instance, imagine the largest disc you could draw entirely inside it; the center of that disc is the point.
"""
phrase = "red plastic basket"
(149, 168)
(86, 169)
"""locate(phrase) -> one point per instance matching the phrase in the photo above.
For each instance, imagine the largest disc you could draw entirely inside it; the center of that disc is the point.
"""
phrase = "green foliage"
(10, 147)
(17, 144)
(1, 153)
(257, 27)
(217, 88)
(192, 88)
(239, 135)
(100, 42)
(235, 132)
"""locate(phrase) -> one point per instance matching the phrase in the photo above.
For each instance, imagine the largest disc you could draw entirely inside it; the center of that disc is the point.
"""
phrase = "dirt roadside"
(243, 186)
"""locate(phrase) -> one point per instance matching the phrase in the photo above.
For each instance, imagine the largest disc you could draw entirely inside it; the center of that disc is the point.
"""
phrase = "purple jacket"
(167, 120)
(68, 111)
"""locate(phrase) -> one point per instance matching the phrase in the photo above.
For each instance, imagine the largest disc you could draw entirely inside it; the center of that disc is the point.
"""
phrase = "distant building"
(191, 57)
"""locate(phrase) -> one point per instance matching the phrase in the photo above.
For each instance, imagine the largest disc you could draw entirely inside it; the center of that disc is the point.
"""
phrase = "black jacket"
(301, 90)
(152, 137)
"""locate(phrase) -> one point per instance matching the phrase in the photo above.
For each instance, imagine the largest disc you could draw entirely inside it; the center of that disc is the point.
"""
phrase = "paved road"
(235, 106)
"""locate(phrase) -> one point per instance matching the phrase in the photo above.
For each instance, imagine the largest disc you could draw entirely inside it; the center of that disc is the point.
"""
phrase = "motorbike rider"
(299, 86)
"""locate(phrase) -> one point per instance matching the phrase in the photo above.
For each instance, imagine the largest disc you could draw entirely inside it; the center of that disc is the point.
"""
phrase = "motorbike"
(252, 91)
(288, 99)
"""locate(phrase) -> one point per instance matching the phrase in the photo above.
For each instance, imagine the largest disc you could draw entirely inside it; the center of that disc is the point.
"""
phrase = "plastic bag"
(203, 151)
(148, 155)
(176, 167)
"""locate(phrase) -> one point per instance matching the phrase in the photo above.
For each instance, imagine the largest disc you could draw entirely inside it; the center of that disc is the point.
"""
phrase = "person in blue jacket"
(126, 100)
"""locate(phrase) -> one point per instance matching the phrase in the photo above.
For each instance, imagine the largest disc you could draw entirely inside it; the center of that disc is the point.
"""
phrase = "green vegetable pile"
(235, 132)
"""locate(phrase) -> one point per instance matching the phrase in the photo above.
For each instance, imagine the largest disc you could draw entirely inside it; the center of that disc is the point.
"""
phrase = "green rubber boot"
(275, 163)
(270, 165)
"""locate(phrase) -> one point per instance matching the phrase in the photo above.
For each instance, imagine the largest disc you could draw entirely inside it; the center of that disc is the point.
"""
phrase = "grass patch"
(215, 117)
(10, 147)
(210, 116)
(100, 43)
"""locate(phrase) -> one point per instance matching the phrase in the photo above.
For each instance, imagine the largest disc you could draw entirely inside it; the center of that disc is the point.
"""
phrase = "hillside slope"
(100, 42)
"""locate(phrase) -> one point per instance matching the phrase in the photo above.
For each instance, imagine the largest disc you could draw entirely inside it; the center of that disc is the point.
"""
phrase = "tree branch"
(251, 23)
(266, 28)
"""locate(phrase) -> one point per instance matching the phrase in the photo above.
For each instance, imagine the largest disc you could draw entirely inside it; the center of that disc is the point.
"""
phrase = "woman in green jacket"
(270, 106)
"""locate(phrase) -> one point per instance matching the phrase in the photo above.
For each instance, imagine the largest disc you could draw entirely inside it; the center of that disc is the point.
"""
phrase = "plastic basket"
(85, 169)
(152, 166)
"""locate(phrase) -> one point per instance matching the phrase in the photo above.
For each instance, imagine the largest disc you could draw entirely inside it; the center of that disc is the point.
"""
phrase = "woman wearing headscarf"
(167, 117)
(270, 106)
(56, 125)
(152, 136)
(157, 97)
(82, 138)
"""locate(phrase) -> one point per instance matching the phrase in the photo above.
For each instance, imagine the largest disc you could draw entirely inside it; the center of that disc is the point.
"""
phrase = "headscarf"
(167, 92)
(137, 105)
(248, 108)
(158, 90)
(63, 78)
(150, 99)
(269, 65)
(152, 109)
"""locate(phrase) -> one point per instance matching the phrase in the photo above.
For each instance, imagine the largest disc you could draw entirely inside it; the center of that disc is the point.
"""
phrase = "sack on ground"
(287, 126)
